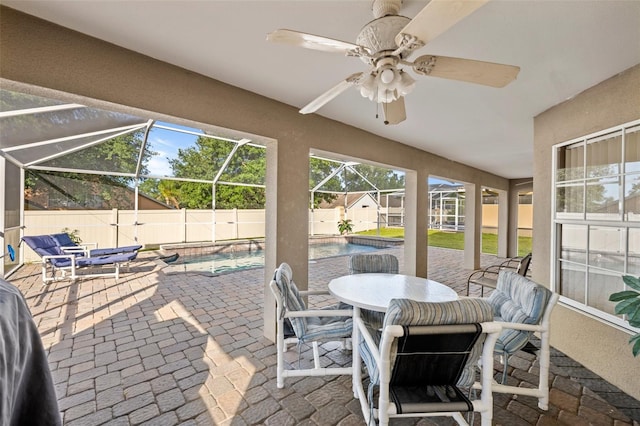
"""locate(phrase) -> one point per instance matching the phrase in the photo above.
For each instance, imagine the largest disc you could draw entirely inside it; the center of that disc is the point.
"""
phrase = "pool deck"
(160, 348)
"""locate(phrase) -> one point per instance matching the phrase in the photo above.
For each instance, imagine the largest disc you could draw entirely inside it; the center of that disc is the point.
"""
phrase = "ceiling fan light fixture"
(368, 87)
(386, 95)
(387, 75)
(407, 83)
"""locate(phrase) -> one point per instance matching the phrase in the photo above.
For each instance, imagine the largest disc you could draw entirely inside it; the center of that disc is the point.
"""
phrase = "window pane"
(606, 248)
(570, 200)
(632, 150)
(633, 259)
(604, 155)
(603, 199)
(573, 243)
(601, 285)
(632, 198)
(570, 162)
(572, 281)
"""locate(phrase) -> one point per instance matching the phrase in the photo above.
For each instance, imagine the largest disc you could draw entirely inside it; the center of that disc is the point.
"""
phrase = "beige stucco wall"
(35, 54)
(598, 346)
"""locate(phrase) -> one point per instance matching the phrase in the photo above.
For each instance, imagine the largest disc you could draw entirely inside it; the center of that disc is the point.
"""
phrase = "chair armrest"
(71, 257)
(319, 313)
(313, 292)
(489, 272)
(59, 256)
(512, 263)
(520, 326)
(76, 249)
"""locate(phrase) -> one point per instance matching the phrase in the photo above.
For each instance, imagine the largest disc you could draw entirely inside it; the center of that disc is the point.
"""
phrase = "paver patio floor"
(163, 348)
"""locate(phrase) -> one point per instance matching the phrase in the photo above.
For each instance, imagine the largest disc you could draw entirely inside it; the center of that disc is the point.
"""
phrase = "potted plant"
(629, 304)
(345, 226)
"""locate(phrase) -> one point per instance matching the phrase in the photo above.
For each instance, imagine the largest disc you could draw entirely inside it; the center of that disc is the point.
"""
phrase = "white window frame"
(583, 221)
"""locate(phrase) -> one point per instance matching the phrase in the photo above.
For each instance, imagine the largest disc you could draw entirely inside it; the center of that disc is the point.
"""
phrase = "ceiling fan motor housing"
(379, 36)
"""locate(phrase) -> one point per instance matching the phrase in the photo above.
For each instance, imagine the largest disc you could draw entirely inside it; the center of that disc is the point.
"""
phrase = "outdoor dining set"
(426, 351)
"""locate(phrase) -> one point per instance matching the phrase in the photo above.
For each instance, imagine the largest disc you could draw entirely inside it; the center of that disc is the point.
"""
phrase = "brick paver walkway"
(162, 348)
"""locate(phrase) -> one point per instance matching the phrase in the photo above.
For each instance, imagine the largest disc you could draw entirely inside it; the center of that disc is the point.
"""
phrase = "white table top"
(375, 291)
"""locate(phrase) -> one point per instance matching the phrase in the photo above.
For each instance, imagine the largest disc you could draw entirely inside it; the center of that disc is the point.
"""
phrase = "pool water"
(225, 262)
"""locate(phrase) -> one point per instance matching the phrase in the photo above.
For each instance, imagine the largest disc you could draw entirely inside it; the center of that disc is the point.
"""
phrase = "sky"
(165, 143)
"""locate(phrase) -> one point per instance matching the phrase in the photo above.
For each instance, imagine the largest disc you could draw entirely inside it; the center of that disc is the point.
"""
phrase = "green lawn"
(455, 240)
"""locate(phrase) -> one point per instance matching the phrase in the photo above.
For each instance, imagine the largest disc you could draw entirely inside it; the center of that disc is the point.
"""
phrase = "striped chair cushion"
(409, 312)
(377, 264)
(373, 263)
(517, 299)
(310, 328)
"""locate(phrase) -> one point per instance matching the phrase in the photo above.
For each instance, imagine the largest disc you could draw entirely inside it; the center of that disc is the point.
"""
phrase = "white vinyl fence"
(112, 228)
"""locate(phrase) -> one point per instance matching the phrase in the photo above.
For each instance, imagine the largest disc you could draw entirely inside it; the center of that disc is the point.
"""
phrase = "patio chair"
(70, 263)
(488, 277)
(373, 263)
(68, 246)
(424, 358)
(522, 307)
(309, 325)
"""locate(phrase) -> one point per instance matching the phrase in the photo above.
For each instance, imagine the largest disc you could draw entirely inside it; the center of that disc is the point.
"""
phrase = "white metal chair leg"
(316, 355)
(544, 359)
(279, 354)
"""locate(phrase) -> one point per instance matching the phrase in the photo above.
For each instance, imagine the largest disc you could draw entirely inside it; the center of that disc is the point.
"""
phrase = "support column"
(515, 187)
(512, 234)
(286, 219)
(472, 225)
(503, 223)
(416, 223)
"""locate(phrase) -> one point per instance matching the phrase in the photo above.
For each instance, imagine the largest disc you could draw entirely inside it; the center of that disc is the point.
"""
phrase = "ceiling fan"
(386, 43)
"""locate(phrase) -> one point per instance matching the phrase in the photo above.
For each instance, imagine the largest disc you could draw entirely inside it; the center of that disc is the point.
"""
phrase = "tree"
(203, 161)
(380, 177)
(318, 170)
(247, 166)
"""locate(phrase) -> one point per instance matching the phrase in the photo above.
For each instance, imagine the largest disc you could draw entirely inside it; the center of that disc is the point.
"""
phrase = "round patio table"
(374, 292)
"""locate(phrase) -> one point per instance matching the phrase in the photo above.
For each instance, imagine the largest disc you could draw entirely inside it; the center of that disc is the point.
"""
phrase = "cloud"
(158, 165)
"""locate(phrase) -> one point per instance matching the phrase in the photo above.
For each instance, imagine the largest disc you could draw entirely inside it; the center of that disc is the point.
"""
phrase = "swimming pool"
(233, 261)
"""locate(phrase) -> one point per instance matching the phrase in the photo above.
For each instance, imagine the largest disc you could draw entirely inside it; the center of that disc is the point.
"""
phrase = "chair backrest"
(290, 297)
(64, 240)
(43, 245)
(517, 299)
(422, 365)
(46, 245)
(373, 263)
(523, 266)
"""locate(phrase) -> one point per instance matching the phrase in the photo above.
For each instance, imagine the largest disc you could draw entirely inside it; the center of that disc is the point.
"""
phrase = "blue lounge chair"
(68, 245)
(68, 264)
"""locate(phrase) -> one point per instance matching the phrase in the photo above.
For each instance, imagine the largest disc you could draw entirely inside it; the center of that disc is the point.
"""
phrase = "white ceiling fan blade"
(327, 96)
(478, 72)
(394, 112)
(310, 41)
(437, 17)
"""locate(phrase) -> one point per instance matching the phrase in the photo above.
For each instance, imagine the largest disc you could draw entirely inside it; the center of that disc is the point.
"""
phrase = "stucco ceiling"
(562, 47)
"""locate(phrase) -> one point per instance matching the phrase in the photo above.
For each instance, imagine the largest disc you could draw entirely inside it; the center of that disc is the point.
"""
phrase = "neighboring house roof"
(52, 197)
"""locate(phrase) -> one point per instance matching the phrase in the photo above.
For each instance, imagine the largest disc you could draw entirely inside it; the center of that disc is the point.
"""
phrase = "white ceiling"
(562, 47)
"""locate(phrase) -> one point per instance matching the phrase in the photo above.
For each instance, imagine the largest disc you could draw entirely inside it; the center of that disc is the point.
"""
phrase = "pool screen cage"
(118, 178)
